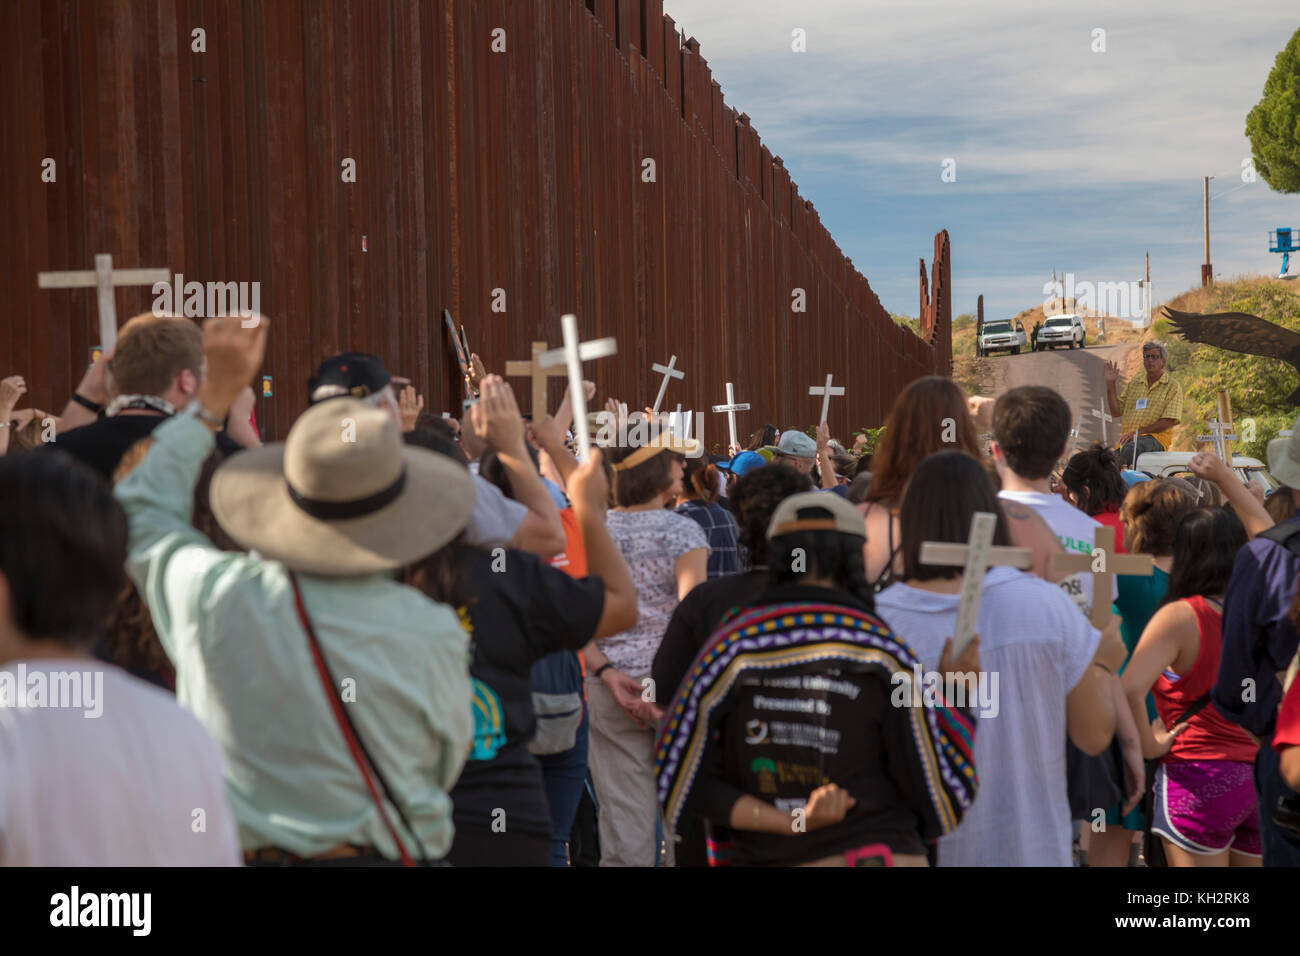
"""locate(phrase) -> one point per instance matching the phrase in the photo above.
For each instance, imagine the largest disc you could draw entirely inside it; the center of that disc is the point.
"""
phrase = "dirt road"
(1078, 374)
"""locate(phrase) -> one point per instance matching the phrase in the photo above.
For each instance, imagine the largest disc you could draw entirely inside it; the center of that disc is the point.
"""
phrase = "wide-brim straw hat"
(1284, 457)
(663, 442)
(342, 496)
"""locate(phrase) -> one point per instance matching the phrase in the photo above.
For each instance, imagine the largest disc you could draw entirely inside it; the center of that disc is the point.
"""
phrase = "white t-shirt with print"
(651, 542)
(1075, 530)
(1037, 645)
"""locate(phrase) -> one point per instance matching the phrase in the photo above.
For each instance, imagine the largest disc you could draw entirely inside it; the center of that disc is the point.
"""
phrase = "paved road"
(1078, 374)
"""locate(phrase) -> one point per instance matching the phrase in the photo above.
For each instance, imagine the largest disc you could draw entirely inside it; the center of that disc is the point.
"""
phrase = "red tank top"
(1208, 736)
(1110, 518)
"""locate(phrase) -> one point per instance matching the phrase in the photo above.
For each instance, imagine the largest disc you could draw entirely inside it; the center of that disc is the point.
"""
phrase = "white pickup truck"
(1001, 336)
(1062, 330)
(1176, 464)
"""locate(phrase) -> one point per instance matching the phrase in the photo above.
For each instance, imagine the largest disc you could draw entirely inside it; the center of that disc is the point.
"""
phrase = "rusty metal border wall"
(481, 177)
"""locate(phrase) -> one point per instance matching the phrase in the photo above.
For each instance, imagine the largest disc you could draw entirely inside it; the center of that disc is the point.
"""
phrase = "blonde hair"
(152, 350)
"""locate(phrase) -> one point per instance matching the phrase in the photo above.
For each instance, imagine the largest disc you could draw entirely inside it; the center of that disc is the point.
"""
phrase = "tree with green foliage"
(1273, 126)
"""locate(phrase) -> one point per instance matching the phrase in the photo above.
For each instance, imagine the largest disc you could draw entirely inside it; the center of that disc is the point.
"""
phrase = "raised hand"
(1112, 373)
(11, 390)
(234, 350)
(412, 404)
(588, 487)
(1208, 465)
(981, 411)
(94, 384)
(474, 377)
(496, 417)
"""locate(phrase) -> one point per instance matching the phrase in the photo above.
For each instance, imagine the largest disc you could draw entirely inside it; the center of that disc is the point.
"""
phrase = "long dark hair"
(763, 436)
(943, 494)
(826, 554)
(1205, 549)
(1093, 476)
(915, 429)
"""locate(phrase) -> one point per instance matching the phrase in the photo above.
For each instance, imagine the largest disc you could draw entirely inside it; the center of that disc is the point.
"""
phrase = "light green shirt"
(244, 667)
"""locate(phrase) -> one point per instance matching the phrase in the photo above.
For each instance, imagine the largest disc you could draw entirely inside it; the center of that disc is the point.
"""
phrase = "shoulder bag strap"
(365, 763)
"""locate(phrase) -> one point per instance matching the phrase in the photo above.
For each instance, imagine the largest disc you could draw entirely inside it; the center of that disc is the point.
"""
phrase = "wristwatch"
(195, 409)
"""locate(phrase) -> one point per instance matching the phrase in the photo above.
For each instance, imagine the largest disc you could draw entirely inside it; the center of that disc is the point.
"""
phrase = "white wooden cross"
(1103, 564)
(539, 376)
(975, 557)
(103, 279)
(668, 371)
(731, 408)
(680, 425)
(572, 355)
(1074, 436)
(1098, 413)
(825, 391)
(1225, 416)
(1220, 434)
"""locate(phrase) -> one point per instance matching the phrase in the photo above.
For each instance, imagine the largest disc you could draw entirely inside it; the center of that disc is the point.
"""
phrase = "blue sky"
(1066, 158)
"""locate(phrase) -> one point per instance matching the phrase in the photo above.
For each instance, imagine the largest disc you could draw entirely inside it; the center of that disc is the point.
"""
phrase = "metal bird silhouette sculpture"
(1239, 332)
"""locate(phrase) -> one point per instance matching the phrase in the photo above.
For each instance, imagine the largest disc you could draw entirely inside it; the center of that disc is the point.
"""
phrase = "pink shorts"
(1207, 806)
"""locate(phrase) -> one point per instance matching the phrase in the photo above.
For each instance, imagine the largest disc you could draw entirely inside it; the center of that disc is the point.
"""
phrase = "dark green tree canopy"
(1273, 126)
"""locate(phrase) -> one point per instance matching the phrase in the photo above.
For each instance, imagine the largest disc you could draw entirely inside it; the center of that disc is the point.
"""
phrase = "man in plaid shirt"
(1150, 405)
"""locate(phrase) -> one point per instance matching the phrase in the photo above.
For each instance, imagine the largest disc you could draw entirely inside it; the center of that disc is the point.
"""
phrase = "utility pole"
(1207, 270)
(1146, 288)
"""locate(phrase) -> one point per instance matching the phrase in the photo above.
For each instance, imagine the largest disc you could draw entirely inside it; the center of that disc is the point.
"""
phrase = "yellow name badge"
(1141, 404)
(266, 386)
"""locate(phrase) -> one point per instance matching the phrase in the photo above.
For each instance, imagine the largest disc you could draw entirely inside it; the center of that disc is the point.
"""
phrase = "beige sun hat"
(1284, 457)
(342, 496)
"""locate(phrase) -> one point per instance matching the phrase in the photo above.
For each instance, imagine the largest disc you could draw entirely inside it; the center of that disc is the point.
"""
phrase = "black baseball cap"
(349, 374)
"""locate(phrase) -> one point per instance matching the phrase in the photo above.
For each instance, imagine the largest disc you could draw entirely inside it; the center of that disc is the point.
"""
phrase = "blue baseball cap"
(744, 462)
(1132, 477)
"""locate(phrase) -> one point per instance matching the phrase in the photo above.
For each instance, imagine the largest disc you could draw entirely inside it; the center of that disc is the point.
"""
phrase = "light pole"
(1207, 270)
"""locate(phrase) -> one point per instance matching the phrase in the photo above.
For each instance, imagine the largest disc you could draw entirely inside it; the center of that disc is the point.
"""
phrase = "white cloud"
(1013, 91)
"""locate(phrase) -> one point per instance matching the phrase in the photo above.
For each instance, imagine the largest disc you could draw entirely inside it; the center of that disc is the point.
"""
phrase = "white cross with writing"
(103, 279)
(825, 391)
(1220, 434)
(1074, 437)
(731, 408)
(572, 355)
(1098, 413)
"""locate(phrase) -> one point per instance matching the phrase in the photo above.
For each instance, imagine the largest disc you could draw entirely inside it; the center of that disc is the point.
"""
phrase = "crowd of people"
(401, 638)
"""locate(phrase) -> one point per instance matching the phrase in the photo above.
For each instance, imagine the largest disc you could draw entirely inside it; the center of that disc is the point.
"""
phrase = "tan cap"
(816, 511)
